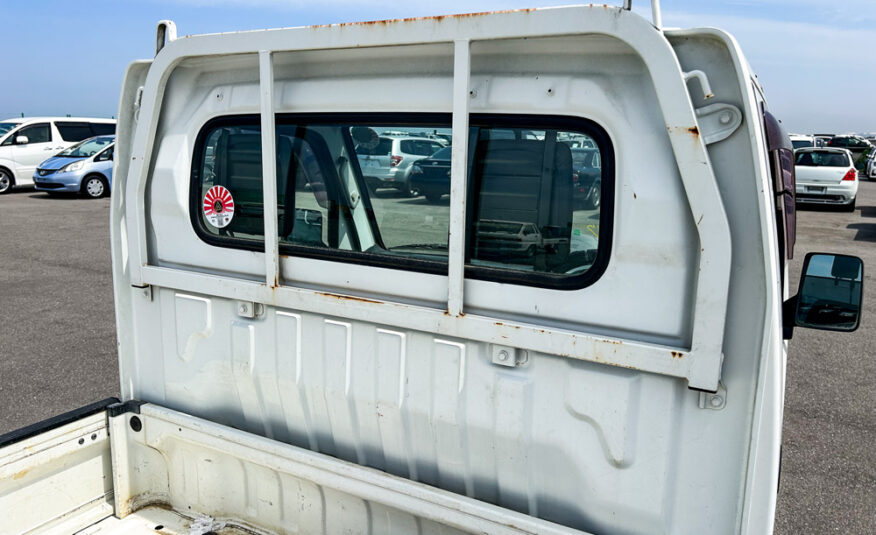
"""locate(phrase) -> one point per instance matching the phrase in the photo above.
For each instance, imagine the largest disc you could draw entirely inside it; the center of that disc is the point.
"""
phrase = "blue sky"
(815, 58)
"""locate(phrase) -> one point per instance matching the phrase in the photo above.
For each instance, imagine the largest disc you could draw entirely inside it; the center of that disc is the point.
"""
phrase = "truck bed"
(141, 468)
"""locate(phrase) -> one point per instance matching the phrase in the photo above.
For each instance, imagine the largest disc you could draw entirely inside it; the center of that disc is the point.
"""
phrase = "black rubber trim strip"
(117, 409)
(55, 422)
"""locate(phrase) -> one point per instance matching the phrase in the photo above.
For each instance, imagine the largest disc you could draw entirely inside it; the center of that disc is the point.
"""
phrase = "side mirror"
(21, 140)
(830, 293)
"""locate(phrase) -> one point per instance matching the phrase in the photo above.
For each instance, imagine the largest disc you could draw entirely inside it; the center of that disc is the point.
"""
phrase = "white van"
(26, 142)
(297, 355)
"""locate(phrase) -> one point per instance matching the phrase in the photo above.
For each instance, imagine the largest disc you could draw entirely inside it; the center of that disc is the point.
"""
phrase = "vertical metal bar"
(656, 15)
(458, 179)
(269, 167)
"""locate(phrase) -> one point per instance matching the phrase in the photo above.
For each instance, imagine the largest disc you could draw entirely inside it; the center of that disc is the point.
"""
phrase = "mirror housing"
(21, 140)
(829, 296)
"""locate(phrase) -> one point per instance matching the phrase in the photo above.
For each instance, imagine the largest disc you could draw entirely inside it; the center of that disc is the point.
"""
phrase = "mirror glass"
(830, 292)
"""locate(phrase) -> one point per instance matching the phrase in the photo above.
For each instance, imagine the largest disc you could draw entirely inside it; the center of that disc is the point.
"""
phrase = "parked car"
(801, 141)
(871, 165)
(85, 168)
(501, 239)
(431, 176)
(857, 145)
(388, 165)
(826, 176)
(26, 142)
(587, 177)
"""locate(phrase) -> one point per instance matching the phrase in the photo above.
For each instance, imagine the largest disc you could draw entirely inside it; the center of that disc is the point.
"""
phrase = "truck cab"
(299, 354)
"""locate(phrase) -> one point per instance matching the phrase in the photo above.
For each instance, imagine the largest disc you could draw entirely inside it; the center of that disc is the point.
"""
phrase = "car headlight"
(70, 167)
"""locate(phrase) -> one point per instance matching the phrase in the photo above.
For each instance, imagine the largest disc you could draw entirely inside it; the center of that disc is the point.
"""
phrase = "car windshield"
(87, 148)
(822, 159)
(6, 127)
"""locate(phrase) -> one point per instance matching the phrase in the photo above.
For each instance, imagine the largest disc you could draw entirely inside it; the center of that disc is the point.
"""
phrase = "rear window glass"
(79, 130)
(103, 129)
(420, 147)
(74, 131)
(822, 159)
(801, 143)
(535, 211)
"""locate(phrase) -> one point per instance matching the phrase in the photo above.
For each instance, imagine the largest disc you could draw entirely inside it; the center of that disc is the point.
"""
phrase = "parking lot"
(59, 349)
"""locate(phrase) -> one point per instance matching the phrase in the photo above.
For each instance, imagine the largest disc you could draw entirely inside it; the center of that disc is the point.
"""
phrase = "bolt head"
(716, 401)
(503, 355)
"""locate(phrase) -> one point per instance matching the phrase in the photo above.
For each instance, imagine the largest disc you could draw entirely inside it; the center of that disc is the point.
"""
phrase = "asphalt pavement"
(58, 349)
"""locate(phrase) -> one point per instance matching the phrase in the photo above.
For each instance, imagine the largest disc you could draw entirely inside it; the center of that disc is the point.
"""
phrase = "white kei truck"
(301, 354)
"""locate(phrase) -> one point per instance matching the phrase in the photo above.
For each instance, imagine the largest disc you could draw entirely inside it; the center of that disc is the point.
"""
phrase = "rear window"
(532, 219)
(801, 143)
(79, 130)
(420, 147)
(822, 159)
(383, 148)
(103, 129)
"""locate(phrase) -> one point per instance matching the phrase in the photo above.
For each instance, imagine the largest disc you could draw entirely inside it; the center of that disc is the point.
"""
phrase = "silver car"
(388, 165)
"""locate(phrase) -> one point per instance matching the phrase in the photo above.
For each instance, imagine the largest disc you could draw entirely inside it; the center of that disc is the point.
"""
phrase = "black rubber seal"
(55, 422)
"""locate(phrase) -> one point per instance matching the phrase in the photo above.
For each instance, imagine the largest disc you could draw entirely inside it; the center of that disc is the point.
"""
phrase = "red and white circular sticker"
(219, 206)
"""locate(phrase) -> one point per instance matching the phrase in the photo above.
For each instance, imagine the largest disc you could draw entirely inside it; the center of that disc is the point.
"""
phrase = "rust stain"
(694, 130)
(677, 354)
(616, 342)
(635, 196)
(437, 18)
(349, 298)
(21, 474)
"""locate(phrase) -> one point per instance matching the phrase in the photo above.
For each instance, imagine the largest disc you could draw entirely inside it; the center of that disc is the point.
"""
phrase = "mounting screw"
(503, 355)
(473, 93)
(243, 309)
(716, 401)
(725, 118)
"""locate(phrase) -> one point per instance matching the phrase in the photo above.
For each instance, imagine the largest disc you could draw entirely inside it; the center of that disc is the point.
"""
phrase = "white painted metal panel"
(248, 482)
(58, 481)
(391, 381)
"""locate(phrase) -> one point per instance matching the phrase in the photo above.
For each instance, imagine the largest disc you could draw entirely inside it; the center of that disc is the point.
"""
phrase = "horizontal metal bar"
(672, 361)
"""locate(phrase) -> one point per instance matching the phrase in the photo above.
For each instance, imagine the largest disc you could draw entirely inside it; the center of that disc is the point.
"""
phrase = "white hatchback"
(826, 176)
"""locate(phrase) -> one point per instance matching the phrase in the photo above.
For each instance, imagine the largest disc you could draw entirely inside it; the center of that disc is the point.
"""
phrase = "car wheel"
(6, 181)
(851, 206)
(595, 197)
(410, 190)
(433, 196)
(94, 187)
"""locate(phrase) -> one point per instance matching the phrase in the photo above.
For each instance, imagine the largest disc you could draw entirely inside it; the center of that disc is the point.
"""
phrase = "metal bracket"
(165, 33)
(248, 309)
(718, 121)
(714, 400)
(508, 356)
(145, 291)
